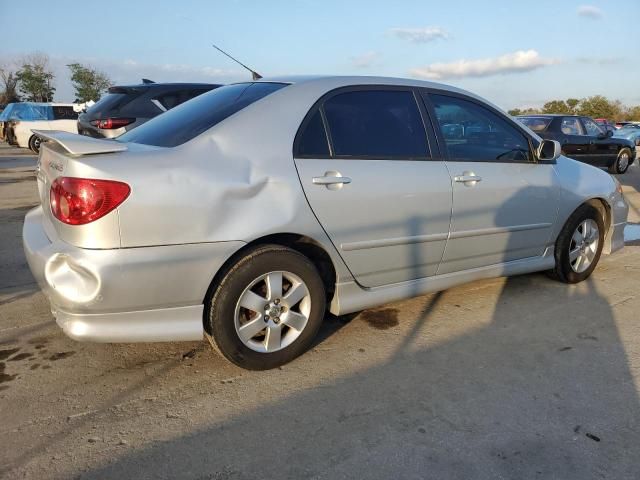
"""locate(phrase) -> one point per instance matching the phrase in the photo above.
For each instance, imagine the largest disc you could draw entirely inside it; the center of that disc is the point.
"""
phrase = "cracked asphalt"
(507, 378)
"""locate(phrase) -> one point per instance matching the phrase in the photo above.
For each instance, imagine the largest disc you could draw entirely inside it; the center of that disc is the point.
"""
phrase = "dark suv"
(126, 107)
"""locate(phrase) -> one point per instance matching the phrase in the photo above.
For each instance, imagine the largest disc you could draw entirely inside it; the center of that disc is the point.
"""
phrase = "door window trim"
(531, 141)
(432, 154)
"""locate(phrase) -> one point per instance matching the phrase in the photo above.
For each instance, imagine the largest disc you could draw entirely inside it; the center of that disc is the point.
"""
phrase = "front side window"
(475, 133)
(592, 128)
(571, 126)
(384, 124)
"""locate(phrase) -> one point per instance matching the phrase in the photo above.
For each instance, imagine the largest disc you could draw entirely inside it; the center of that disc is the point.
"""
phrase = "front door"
(374, 180)
(602, 151)
(504, 203)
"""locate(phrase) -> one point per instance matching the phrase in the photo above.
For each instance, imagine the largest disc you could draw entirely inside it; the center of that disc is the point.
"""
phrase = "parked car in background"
(5, 116)
(631, 132)
(28, 116)
(124, 108)
(583, 139)
(271, 201)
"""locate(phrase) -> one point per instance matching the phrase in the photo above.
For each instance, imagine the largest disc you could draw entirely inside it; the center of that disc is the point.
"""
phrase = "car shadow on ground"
(545, 392)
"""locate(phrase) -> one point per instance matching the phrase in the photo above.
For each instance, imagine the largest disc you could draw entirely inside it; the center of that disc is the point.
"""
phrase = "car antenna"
(254, 75)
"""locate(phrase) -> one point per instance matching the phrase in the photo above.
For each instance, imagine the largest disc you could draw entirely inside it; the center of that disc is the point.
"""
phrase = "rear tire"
(622, 162)
(34, 144)
(579, 245)
(267, 309)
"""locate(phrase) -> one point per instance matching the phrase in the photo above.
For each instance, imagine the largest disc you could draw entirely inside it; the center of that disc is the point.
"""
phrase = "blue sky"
(515, 53)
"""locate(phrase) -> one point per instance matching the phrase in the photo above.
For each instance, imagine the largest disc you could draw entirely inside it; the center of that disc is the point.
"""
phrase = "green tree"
(599, 106)
(35, 80)
(555, 106)
(10, 86)
(514, 112)
(633, 113)
(572, 103)
(88, 82)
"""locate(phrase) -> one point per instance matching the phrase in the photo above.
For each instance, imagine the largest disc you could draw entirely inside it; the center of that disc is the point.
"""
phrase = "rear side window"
(312, 141)
(474, 133)
(537, 124)
(187, 121)
(383, 124)
(110, 103)
(64, 113)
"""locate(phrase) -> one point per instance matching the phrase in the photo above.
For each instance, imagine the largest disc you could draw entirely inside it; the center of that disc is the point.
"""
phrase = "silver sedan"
(245, 214)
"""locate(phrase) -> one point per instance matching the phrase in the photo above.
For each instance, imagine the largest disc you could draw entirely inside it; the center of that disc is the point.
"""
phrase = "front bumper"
(142, 294)
(614, 240)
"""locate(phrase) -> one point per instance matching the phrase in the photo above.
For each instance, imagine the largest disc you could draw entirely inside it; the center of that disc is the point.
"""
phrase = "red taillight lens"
(112, 122)
(76, 201)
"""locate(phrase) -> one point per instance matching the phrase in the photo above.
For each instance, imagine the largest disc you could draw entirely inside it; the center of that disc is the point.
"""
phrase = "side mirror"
(609, 133)
(549, 150)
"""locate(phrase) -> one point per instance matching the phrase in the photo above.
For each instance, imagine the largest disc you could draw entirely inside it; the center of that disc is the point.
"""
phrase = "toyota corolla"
(247, 213)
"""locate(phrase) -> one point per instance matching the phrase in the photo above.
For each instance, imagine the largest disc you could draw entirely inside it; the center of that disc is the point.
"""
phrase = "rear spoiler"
(79, 144)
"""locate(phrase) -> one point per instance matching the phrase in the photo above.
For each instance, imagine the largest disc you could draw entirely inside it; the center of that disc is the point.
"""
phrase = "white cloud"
(520, 61)
(366, 60)
(589, 11)
(421, 35)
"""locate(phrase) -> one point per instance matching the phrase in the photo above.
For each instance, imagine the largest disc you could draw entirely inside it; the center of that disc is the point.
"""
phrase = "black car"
(583, 139)
(126, 107)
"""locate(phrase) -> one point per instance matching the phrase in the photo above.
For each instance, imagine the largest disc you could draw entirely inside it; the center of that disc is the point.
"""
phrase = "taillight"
(112, 122)
(77, 201)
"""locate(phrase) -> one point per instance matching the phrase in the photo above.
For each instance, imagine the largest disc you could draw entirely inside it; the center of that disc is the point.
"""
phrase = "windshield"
(537, 124)
(187, 121)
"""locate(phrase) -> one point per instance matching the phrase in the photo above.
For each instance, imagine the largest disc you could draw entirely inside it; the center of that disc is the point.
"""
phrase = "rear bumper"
(124, 295)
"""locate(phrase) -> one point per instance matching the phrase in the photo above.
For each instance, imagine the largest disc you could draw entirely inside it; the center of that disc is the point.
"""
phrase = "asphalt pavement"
(517, 378)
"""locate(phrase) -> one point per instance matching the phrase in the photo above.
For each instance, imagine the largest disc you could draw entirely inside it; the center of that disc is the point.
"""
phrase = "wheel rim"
(272, 312)
(584, 245)
(623, 161)
(36, 143)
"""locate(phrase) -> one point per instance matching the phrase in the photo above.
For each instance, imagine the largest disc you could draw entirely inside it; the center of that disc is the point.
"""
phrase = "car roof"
(331, 82)
(353, 80)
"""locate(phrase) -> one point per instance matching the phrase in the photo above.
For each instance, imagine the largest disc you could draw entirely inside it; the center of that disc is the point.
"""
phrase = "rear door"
(375, 180)
(504, 203)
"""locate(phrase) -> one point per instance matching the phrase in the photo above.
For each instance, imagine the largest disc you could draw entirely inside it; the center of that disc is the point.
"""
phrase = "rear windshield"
(537, 124)
(111, 103)
(190, 119)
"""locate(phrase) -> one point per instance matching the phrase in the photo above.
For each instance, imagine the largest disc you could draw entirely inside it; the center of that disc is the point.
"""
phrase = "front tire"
(267, 309)
(579, 245)
(622, 162)
(34, 144)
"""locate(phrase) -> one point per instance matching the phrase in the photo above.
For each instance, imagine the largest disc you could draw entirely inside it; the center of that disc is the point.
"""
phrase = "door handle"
(468, 178)
(332, 180)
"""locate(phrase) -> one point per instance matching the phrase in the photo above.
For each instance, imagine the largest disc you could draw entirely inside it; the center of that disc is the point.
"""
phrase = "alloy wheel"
(272, 311)
(584, 245)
